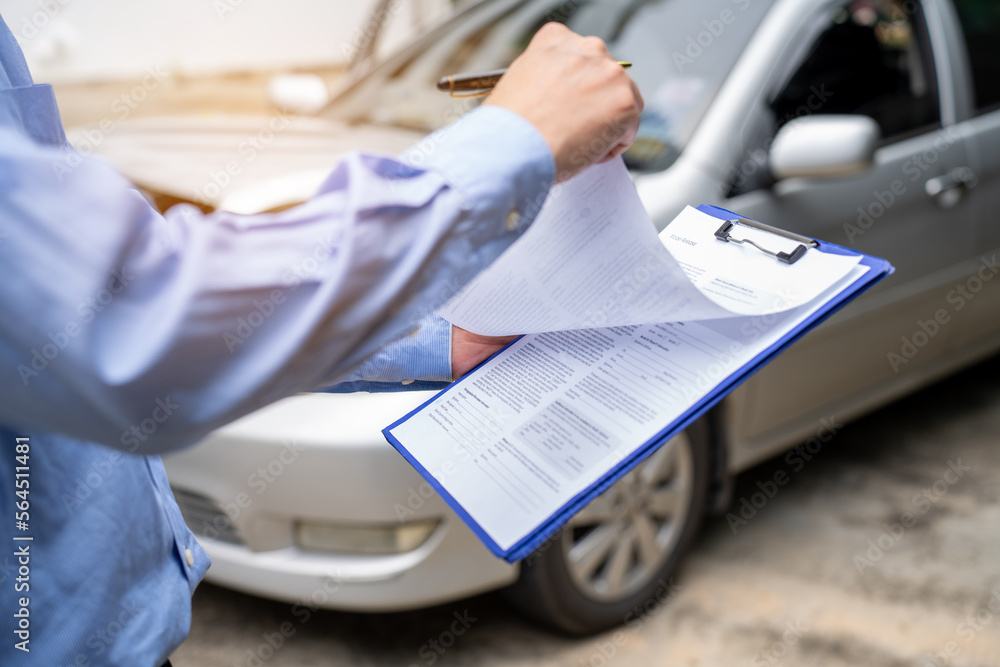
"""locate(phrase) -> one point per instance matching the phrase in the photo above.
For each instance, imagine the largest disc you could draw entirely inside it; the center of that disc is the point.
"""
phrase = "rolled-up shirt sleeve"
(116, 316)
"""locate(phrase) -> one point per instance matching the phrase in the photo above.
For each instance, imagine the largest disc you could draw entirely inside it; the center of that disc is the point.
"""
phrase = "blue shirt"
(125, 333)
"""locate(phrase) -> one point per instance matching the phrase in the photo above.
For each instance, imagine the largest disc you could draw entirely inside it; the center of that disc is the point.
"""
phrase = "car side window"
(872, 59)
(980, 21)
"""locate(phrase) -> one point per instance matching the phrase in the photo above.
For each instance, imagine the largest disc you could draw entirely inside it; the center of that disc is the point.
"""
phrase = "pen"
(479, 84)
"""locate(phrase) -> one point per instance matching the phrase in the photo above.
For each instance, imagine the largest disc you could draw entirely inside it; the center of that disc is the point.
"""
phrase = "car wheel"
(619, 551)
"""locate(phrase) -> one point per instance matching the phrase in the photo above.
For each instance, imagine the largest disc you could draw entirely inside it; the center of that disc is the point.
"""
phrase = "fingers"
(577, 96)
(594, 45)
(549, 33)
(637, 96)
(621, 134)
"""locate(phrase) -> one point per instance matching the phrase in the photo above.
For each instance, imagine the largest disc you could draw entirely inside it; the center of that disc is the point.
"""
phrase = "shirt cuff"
(421, 357)
(487, 146)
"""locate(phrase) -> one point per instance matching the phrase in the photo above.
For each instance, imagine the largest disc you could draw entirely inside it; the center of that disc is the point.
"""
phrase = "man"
(113, 336)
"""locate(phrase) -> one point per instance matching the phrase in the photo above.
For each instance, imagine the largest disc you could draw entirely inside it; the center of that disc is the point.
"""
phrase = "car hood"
(241, 163)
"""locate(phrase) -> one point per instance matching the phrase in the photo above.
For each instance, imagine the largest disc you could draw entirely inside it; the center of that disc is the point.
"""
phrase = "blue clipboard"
(878, 269)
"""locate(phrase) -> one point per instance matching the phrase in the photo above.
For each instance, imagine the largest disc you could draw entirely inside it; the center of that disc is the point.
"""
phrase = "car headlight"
(363, 539)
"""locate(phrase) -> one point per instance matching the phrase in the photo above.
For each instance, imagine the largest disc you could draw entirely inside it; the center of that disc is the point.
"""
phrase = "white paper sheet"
(592, 258)
(535, 426)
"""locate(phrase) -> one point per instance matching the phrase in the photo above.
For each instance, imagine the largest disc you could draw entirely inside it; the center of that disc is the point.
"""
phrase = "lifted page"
(592, 258)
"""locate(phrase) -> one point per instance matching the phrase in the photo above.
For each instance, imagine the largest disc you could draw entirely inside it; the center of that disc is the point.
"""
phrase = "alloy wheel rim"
(618, 542)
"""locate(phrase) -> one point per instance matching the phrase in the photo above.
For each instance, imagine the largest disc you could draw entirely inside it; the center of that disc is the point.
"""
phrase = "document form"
(629, 333)
(592, 258)
(537, 425)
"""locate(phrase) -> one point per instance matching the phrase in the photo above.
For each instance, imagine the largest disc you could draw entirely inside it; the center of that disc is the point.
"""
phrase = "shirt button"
(189, 556)
(513, 218)
(407, 381)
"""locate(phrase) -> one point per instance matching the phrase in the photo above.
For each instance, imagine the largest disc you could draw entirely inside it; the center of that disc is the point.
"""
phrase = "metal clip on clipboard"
(804, 242)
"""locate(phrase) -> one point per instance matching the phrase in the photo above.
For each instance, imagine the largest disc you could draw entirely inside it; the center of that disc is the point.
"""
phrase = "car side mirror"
(822, 146)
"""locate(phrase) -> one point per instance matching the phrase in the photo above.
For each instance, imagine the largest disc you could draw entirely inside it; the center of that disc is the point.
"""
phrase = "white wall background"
(80, 40)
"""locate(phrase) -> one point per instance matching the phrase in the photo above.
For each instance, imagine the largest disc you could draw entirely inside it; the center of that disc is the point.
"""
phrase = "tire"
(597, 572)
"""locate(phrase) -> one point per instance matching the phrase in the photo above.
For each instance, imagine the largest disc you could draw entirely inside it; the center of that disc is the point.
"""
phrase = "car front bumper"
(322, 458)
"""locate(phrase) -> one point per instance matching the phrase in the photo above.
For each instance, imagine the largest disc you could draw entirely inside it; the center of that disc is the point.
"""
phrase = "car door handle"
(944, 188)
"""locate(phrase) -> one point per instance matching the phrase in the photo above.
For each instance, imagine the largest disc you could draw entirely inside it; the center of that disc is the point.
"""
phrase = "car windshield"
(681, 53)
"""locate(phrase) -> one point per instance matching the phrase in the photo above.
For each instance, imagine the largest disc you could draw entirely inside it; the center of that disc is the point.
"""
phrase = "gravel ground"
(883, 550)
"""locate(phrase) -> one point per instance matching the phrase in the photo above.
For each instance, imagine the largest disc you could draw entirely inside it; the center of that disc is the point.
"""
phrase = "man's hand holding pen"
(585, 106)
(580, 99)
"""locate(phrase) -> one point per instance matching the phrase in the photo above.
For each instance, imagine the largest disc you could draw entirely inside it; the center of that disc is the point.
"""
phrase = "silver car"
(869, 123)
